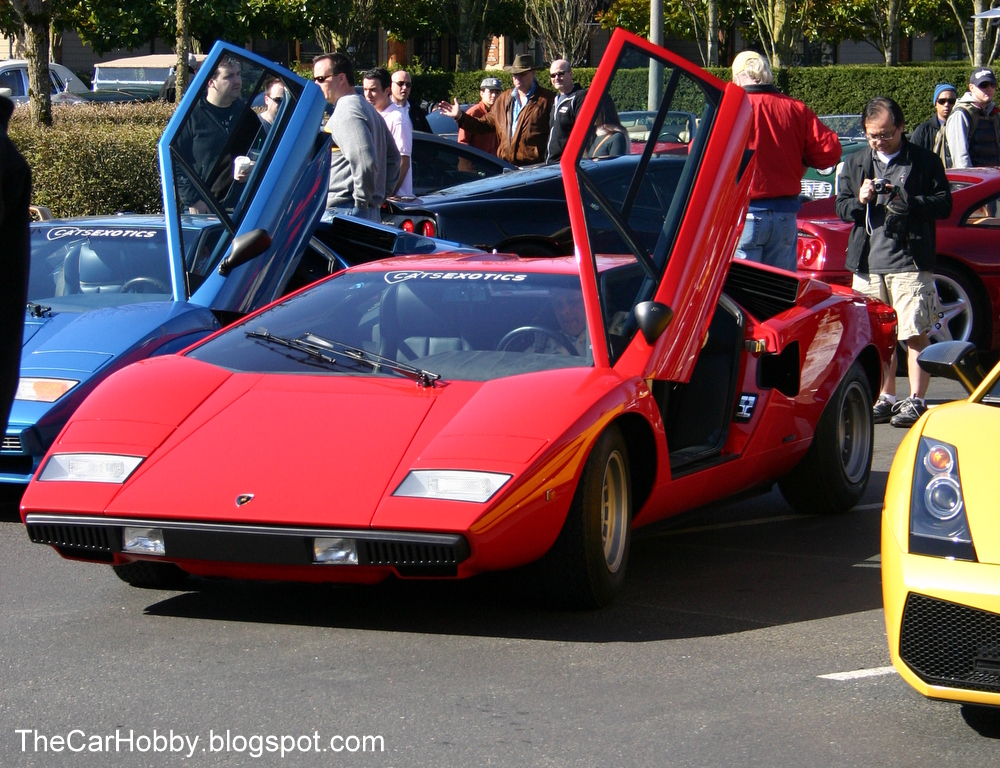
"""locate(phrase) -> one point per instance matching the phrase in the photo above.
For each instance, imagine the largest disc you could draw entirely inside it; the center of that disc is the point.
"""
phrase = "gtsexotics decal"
(744, 408)
(57, 233)
(495, 277)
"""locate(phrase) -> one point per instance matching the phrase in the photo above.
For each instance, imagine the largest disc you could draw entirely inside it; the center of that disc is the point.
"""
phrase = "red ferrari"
(441, 416)
(968, 264)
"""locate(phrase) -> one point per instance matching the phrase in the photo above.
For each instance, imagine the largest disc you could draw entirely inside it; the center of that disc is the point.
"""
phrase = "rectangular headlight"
(453, 485)
(43, 390)
(90, 467)
(331, 550)
(143, 541)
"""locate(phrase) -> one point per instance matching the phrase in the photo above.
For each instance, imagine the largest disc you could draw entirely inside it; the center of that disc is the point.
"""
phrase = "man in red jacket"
(786, 138)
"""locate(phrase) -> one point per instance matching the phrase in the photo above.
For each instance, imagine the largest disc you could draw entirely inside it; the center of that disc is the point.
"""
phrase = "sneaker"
(906, 412)
(882, 410)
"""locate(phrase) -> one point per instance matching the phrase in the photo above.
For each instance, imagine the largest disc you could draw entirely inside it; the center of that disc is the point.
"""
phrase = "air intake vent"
(763, 294)
(407, 554)
(951, 645)
(11, 444)
(91, 538)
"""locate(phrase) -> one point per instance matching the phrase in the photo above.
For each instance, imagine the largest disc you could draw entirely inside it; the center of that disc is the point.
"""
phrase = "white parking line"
(858, 673)
(875, 561)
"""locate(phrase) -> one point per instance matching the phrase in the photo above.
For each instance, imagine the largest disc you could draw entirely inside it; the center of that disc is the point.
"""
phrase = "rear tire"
(148, 575)
(586, 566)
(833, 475)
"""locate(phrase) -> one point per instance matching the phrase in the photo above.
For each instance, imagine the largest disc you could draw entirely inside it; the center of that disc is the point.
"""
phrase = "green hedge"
(96, 158)
(101, 158)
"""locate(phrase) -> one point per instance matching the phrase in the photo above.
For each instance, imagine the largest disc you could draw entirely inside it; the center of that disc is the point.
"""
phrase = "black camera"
(881, 186)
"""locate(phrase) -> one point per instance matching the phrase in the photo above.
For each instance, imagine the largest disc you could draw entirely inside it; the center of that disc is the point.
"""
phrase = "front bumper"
(278, 548)
(943, 623)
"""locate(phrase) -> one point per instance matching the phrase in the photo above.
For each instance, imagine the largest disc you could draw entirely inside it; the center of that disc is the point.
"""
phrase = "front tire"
(833, 475)
(586, 565)
(148, 575)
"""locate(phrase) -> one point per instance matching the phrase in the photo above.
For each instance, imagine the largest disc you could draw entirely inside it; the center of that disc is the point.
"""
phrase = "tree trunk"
(980, 33)
(183, 46)
(712, 33)
(36, 38)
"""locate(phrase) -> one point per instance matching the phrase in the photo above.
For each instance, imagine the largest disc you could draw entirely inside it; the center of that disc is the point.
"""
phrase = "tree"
(36, 18)
(983, 46)
(780, 24)
(563, 26)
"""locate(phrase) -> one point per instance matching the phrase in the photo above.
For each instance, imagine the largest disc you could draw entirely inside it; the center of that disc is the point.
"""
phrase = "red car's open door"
(665, 194)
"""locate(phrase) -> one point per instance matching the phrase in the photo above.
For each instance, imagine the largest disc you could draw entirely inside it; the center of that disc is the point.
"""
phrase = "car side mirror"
(652, 318)
(956, 360)
(246, 247)
(6, 92)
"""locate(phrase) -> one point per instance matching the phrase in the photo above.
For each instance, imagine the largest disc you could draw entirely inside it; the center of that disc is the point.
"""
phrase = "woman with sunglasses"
(930, 134)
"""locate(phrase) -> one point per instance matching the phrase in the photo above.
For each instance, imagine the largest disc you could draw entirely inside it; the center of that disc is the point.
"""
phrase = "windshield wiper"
(376, 361)
(314, 345)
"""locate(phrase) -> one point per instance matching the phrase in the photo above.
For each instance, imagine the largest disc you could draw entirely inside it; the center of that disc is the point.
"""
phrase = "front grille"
(763, 294)
(92, 538)
(951, 645)
(11, 444)
(397, 553)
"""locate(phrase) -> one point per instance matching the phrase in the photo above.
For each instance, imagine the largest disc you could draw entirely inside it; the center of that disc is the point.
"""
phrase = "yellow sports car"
(941, 539)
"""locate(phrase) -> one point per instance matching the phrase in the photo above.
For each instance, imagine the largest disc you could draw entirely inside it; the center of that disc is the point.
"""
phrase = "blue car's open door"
(265, 181)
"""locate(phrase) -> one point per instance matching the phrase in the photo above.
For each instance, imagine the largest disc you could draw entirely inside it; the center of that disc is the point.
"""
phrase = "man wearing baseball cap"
(786, 136)
(973, 129)
(519, 118)
(930, 134)
(489, 89)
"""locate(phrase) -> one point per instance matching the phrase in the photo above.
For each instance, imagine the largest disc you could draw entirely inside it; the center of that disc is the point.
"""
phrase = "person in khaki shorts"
(893, 194)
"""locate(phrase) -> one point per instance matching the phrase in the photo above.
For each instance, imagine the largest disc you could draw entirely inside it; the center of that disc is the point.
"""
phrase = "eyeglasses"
(403, 83)
(946, 101)
(276, 100)
(986, 85)
(323, 78)
(882, 136)
(554, 75)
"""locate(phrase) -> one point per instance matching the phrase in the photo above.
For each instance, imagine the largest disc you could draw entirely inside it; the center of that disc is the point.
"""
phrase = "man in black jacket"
(930, 134)
(15, 197)
(565, 107)
(893, 194)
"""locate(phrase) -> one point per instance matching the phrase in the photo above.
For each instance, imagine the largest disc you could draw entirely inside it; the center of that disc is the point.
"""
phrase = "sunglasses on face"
(276, 99)
(946, 101)
(554, 75)
(402, 83)
(322, 78)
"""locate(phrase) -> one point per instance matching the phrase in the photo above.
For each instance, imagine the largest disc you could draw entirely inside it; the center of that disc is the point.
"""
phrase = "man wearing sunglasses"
(973, 129)
(565, 108)
(274, 93)
(365, 166)
(930, 134)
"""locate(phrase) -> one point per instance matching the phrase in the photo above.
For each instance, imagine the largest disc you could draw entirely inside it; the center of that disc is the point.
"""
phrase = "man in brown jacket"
(519, 117)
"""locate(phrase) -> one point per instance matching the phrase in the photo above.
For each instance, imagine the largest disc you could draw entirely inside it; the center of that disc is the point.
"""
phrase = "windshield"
(460, 325)
(79, 268)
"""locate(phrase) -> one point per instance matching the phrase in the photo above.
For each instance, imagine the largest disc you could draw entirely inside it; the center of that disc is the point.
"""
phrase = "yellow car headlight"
(939, 525)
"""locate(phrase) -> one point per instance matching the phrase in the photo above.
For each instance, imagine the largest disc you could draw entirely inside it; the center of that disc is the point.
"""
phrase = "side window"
(11, 78)
(984, 215)
(436, 167)
(639, 161)
(57, 84)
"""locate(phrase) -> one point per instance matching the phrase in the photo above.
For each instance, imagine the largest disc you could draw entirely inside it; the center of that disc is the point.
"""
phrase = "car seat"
(99, 272)
(412, 326)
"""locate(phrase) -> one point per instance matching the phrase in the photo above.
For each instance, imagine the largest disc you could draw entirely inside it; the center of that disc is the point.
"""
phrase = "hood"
(326, 451)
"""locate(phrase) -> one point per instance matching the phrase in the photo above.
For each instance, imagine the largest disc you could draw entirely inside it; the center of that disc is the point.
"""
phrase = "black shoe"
(906, 412)
(882, 410)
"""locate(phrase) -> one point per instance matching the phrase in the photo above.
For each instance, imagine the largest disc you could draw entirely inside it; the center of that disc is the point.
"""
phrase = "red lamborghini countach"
(445, 415)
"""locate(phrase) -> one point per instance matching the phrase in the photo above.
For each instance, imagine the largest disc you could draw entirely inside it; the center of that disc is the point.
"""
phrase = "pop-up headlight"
(90, 467)
(939, 525)
(453, 485)
(43, 390)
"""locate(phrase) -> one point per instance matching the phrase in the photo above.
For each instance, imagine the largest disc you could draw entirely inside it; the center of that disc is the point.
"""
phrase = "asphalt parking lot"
(747, 635)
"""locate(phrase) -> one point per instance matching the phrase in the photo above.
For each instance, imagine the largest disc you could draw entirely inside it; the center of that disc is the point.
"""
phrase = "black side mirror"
(247, 246)
(956, 360)
(653, 319)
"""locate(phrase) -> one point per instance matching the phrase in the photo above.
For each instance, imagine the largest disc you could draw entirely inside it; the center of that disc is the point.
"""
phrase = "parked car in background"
(674, 134)
(140, 76)
(967, 274)
(818, 183)
(442, 125)
(67, 88)
(107, 291)
(941, 540)
(442, 416)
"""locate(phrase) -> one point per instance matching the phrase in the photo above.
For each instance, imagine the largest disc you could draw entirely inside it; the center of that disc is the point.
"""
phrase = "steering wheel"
(143, 284)
(524, 330)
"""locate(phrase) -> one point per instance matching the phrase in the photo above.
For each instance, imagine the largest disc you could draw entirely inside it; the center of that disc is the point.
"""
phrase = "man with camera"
(892, 195)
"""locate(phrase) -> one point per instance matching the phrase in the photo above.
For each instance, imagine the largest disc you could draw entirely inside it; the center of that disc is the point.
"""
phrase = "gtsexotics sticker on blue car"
(502, 277)
(57, 233)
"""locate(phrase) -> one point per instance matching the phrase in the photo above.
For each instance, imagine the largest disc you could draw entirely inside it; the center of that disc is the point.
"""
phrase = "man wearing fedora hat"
(519, 118)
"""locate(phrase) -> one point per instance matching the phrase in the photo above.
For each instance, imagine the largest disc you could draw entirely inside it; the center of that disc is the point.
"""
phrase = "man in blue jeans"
(786, 136)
